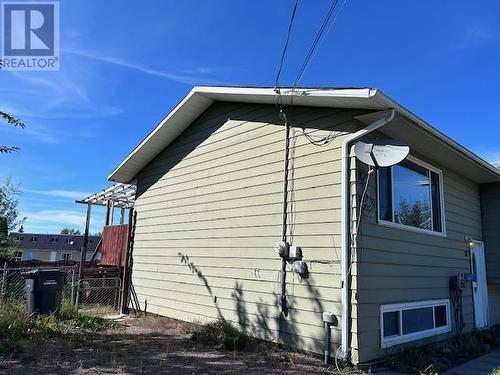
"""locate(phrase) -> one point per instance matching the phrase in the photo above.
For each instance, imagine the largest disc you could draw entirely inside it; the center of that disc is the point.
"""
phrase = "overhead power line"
(285, 46)
(328, 21)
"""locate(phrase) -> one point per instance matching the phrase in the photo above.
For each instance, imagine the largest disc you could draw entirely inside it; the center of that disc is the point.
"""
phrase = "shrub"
(220, 332)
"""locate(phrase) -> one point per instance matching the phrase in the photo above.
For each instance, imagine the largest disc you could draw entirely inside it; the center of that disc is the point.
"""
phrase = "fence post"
(73, 286)
(4, 280)
(77, 302)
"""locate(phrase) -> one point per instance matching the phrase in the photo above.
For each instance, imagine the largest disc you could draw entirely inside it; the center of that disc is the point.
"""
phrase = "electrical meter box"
(295, 252)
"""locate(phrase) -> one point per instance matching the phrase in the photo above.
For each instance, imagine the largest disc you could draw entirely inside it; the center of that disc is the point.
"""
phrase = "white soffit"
(200, 98)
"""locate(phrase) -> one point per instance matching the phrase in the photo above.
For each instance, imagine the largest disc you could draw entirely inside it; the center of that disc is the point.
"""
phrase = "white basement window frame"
(438, 328)
(392, 223)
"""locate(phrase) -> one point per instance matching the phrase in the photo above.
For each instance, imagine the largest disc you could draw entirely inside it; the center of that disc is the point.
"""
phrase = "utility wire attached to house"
(285, 46)
(284, 118)
(323, 31)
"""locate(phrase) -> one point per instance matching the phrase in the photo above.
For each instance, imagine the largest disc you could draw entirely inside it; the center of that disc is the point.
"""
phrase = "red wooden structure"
(114, 245)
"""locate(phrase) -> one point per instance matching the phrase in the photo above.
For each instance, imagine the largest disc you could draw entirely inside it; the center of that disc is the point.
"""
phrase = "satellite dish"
(381, 152)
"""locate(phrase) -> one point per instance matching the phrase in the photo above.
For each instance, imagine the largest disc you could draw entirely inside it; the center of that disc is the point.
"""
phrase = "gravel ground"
(152, 346)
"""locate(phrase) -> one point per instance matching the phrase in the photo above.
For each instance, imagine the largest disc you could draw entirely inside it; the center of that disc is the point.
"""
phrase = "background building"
(52, 247)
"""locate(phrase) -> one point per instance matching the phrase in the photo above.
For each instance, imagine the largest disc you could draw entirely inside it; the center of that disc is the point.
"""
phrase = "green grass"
(496, 371)
(16, 324)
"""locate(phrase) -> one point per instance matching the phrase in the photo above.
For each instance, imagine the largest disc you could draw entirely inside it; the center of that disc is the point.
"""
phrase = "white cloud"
(52, 221)
(62, 217)
(189, 77)
(71, 194)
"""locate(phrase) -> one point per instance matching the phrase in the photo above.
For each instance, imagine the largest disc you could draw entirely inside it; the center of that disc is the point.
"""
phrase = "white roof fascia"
(201, 97)
(441, 136)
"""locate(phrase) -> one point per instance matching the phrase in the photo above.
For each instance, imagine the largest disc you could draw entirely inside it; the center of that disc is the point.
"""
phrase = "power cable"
(326, 25)
(285, 46)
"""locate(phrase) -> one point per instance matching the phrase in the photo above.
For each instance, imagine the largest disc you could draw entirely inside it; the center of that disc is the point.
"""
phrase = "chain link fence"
(12, 282)
(98, 293)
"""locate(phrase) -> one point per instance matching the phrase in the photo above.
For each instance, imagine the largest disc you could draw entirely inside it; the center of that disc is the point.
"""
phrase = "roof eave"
(201, 97)
(457, 147)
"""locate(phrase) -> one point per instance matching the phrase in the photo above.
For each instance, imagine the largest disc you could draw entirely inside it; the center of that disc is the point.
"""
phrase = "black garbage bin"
(43, 290)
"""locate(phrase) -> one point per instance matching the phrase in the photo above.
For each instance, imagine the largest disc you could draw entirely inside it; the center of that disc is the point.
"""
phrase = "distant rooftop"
(37, 241)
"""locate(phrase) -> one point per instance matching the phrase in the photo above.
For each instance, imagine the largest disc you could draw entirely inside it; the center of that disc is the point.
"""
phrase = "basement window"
(410, 196)
(400, 323)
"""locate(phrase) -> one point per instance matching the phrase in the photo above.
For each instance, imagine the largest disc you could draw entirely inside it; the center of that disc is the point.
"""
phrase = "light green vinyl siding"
(490, 201)
(396, 266)
(209, 216)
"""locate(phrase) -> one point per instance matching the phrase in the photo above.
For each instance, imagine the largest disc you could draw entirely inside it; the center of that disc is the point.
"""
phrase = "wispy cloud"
(62, 217)
(187, 76)
(60, 193)
(477, 34)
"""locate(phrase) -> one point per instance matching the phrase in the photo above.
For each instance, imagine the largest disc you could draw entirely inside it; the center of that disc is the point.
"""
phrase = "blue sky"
(125, 64)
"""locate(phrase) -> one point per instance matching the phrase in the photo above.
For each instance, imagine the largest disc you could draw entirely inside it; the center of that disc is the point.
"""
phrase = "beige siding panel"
(209, 216)
(248, 240)
(396, 266)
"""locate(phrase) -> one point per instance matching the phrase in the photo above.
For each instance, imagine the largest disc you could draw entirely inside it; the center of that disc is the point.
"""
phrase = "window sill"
(396, 340)
(410, 229)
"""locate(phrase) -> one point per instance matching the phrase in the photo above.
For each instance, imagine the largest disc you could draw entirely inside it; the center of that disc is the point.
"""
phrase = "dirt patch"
(152, 346)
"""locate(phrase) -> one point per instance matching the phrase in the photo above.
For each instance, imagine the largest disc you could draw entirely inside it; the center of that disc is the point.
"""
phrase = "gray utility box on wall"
(43, 290)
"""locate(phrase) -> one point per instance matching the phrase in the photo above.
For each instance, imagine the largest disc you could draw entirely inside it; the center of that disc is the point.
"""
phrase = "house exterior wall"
(209, 215)
(44, 255)
(397, 266)
(40, 246)
(490, 203)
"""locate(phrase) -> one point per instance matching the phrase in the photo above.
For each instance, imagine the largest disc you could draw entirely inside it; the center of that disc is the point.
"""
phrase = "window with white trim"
(410, 195)
(400, 323)
(18, 256)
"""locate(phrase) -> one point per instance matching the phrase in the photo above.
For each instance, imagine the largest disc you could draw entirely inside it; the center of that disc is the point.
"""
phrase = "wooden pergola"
(117, 196)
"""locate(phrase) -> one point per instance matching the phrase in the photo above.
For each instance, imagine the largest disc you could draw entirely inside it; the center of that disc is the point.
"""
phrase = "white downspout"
(387, 116)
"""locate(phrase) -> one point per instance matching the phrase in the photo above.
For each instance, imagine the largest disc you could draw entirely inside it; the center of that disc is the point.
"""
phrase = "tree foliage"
(7, 245)
(9, 202)
(15, 122)
(417, 214)
(72, 231)
(10, 119)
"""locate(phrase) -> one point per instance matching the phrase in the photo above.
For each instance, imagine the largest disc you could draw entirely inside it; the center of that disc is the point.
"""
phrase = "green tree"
(72, 231)
(10, 119)
(9, 203)
(15, 122)
(417, 214)
(7, 245)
